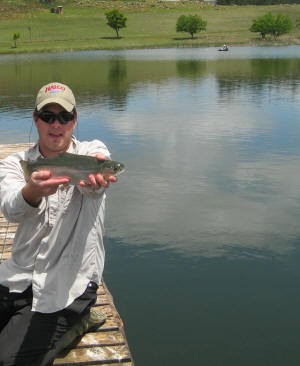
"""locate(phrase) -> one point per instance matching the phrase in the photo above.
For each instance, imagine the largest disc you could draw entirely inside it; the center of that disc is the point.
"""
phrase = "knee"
(10, 358)
(6, 360)
(7, 356)
(17, 361)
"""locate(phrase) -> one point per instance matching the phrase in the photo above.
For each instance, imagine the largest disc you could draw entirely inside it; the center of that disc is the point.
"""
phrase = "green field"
(150, 24)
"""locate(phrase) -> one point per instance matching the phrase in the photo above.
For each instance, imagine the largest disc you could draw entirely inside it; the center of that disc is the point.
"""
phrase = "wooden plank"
(4, 256)
(101, 363)
(111, 324)
(8, 149)
(94, 356)
(5, 248)
(7, 234)
(93, 339)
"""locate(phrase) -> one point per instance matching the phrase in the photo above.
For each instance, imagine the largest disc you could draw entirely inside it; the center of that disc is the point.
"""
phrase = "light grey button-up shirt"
(58, 246)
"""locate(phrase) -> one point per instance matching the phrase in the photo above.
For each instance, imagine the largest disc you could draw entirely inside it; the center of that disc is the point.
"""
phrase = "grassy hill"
(150, 24)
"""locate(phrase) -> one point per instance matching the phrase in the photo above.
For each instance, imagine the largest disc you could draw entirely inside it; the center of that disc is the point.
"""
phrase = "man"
(51, 279)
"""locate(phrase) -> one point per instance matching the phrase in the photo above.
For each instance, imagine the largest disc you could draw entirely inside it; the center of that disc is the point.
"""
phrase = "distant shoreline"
(70, 50)
(150, 25)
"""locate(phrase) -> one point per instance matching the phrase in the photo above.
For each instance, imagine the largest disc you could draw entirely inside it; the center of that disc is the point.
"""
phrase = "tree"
(115, 20)
(29, 29)
(191, 24)
(282, 24)
(269, 24)
(16, 36)
(260, 25)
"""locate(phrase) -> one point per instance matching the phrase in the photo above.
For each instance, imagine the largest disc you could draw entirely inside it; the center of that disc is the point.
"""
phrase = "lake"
(202, 230)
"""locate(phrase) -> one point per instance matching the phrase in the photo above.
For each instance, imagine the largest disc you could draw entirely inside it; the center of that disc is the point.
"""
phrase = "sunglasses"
(50, 117)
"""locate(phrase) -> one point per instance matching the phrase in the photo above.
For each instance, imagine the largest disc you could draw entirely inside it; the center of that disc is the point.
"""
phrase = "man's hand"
(41, 185)
(98, 180)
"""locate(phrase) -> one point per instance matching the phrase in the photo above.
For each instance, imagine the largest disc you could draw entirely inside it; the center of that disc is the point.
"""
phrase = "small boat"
(224, 48)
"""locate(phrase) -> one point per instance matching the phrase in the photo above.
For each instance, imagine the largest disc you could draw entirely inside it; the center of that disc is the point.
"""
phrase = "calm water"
(202, 230)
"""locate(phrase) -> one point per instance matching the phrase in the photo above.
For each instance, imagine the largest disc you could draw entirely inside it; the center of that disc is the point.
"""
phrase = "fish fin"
(90, 192)
(24, 165)
(67, 155)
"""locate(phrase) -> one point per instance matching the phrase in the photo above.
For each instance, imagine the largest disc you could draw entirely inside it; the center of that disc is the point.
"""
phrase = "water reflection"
(192, 69)
(117, 88)
(265, 76)
(210, 143)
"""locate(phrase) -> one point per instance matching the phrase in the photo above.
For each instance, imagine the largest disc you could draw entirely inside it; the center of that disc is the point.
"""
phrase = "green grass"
(150, 24)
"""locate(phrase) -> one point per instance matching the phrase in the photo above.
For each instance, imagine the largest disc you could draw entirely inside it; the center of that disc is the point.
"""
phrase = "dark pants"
(28, 338)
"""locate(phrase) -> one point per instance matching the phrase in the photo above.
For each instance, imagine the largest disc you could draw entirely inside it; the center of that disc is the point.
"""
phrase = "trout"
(77, 167)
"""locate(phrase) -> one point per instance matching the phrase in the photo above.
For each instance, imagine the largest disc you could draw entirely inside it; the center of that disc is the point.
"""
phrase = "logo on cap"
(54, 88)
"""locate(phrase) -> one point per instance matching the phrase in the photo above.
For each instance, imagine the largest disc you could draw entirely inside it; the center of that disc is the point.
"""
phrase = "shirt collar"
(34, 152)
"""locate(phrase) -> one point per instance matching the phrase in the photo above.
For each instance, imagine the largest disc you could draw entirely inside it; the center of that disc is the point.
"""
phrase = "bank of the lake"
(150, 24)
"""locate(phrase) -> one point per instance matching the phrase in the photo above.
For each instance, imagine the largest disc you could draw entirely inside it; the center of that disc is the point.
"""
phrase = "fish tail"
(25, 168)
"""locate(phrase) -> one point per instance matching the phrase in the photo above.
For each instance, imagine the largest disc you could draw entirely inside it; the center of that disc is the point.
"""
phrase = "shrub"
(269, 24)
(282, 24)
(115, 20)
(260, 25)
(16, 36)
(191, 24)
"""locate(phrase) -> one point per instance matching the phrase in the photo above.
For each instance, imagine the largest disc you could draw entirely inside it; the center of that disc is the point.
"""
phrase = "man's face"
(54, 138)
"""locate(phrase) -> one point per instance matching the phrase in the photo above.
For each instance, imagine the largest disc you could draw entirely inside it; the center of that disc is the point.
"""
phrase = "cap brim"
(63, 103)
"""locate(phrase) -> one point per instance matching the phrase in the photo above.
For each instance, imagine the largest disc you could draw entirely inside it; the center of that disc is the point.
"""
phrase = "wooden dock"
(105, 345)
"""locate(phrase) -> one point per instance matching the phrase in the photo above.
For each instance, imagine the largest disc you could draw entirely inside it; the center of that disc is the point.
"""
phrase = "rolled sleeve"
(15, 208)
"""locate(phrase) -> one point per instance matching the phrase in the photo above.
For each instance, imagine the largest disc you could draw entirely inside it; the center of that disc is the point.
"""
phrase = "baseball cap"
(55, 93)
